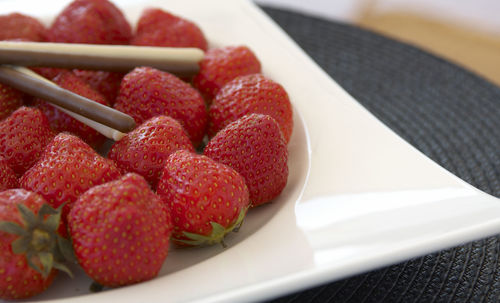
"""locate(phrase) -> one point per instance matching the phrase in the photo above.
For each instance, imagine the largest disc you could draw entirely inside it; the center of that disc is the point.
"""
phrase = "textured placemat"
(449, 114)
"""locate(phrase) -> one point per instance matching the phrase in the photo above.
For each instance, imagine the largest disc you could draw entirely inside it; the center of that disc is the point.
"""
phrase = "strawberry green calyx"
(39, 241)
(217, 235)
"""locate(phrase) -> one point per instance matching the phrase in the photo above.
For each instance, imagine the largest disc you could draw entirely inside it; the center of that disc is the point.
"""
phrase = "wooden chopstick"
(121, 58)
(29, 82)
(107, 131)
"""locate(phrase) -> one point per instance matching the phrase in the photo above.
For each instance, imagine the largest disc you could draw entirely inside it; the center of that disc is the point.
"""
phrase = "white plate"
(358, 197)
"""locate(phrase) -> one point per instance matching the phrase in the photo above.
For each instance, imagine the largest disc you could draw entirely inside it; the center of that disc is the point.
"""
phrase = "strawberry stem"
(38, 239)
(41, 240)
(95, 287)
(216, 236)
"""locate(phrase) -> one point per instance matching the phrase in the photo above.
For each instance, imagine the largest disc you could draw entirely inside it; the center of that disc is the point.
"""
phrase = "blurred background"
(466, 32)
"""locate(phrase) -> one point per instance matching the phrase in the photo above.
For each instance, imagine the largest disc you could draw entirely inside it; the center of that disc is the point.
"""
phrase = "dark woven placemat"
(448, 113)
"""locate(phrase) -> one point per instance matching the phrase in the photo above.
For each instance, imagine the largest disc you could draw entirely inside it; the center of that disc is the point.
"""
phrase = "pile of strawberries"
(204, 152)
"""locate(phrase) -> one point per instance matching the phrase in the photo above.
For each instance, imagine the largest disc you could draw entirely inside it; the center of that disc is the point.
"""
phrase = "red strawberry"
(157, 27)
(120, 231)
(60, 121)
(16, 26)
(253, 146)
(104, 82)
(10, 100)
(67, 168)
(90, 21)
(251, 94)
(146, 92)
(23, 137)
(48, 72)
(221, 65)
(8, 177)
(145, 149)
(30, 248)
(206, 199)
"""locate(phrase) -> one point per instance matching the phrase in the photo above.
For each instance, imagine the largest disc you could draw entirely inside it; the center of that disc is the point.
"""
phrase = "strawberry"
(23, 137)
(120, 231)
(48, 72)
(30, 248)
(10, 100)
(60, 121)
(207, 199)
(67, 168)
(16, 26)
(146, 92)
(145, 149)
(221, 65)
(104, 82)
(157, 27)
(90, 21)
(8, 177)
(251, 94)
(253, 146)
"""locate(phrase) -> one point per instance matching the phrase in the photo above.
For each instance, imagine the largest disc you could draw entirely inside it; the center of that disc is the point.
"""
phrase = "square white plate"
(358, 197)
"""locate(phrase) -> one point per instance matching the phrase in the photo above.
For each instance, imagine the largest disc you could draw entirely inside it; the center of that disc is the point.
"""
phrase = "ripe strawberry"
(251, 94)
(67, 168)
(10, 100)
(221, 65)
(23, 137)
(8, 177)
(90, 21)
(104, 82)
(145, 149)
(60, 121)
(206, 199)
(48, 72)
(120, 231)
(16, 26)
(157, 27)
(253, 146)
(146, 92)
(30, 248)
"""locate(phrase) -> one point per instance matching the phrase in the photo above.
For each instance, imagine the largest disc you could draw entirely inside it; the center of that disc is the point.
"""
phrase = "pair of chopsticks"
(14, 56)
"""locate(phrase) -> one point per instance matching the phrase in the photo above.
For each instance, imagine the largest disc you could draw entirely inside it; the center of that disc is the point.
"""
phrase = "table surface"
(448, 113)
(479, 14)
